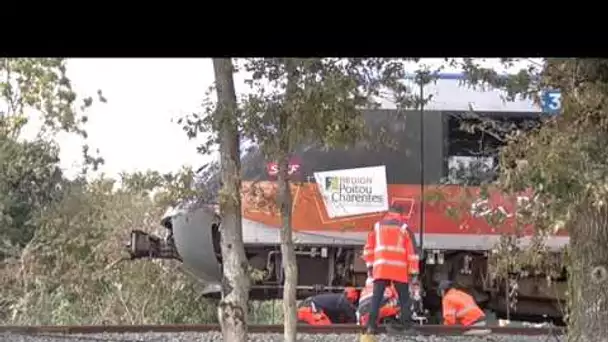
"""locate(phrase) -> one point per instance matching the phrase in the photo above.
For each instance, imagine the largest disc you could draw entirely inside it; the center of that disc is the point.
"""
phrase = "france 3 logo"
(551, 102)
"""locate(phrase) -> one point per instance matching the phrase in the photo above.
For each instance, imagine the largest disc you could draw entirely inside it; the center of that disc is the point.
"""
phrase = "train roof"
(449, 93)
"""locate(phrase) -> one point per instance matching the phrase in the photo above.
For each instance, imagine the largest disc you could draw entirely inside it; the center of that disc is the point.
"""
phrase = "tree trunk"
(288, 254)
(588, 277)
(290, 266)
(232, 310)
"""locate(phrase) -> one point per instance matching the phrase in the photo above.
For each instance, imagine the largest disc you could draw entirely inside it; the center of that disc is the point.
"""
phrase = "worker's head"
(444, 285)
(351, 294)
(397, 210)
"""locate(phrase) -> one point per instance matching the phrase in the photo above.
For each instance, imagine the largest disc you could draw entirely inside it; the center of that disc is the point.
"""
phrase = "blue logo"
(551, 102)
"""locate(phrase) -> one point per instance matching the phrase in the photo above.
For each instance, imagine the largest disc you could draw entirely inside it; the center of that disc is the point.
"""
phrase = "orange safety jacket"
(390, 250)
(388, 310)
(367, 292)
(327, 307)
(460, 308)
(312, 316)
(389, 306)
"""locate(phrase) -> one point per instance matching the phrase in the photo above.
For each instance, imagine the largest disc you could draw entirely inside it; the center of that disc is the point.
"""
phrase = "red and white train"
(329, 246)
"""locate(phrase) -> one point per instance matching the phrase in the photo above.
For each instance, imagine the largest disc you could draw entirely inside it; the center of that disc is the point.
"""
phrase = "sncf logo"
(294, 167)
(273, 169)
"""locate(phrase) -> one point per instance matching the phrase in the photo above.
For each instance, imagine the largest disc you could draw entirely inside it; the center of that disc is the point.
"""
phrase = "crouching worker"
(459, 308)
(329, 308)
(389, 306)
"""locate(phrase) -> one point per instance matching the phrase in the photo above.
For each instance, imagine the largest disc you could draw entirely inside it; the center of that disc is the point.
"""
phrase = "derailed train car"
(329, 246)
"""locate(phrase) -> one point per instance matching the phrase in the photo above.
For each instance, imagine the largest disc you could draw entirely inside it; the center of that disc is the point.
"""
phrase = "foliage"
(70, 272)
(29, 180)
(266, 312)
(562, 166)
(37, 91)
(62, 253)
(62, 238)
(334, 91)
(538, 159)
(168, 189)
(567, 170)
(564, 160)
(40, 86)
(509, 256)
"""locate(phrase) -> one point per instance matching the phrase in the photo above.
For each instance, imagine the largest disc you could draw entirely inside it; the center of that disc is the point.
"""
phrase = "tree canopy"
(34, 91)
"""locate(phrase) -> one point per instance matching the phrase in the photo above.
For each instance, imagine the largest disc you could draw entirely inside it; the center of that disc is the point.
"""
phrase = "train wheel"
(490, 317)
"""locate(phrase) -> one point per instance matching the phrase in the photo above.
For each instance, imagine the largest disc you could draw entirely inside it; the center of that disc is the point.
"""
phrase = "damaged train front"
(191, 236)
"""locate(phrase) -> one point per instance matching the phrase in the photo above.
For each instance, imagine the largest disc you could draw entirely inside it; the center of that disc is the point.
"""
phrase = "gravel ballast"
(216, 336)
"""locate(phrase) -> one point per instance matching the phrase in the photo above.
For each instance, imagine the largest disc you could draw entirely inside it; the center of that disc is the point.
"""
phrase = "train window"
(471, 170)
(474, 142)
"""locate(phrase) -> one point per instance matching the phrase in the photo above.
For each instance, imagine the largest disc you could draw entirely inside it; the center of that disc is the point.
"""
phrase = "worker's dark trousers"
(403, 290)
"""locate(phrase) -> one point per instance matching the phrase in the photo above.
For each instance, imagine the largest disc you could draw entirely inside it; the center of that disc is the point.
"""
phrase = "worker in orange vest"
(459, 307)
(391, 257)
(329, 308)
(389, 307)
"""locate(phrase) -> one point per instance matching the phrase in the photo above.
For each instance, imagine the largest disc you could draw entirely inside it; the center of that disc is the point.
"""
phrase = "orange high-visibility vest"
(389, 293)
(313, 316)
(388, 307)
(460, 308)
(390, 251)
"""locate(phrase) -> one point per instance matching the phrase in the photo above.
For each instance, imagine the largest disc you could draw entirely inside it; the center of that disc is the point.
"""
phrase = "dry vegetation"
(62, 242)
(71, 271)
(68, 272)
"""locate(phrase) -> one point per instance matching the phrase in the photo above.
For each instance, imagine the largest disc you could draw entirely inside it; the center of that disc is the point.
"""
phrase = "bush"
(70, 272)
(266, 312)
(29, 180)
(73, 269)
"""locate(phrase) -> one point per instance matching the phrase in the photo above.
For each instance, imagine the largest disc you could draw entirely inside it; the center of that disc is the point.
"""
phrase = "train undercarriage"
(326, 268)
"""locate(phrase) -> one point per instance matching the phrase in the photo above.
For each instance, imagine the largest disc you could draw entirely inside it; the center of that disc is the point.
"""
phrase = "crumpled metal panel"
(192, 232)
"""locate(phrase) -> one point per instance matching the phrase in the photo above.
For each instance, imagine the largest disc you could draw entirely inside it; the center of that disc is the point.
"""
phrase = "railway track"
(261, 329)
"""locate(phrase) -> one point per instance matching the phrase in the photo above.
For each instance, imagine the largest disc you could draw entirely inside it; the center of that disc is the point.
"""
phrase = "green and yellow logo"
(332, 183)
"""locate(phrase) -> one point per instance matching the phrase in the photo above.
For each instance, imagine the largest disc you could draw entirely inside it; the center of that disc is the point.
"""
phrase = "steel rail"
(256, 328)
